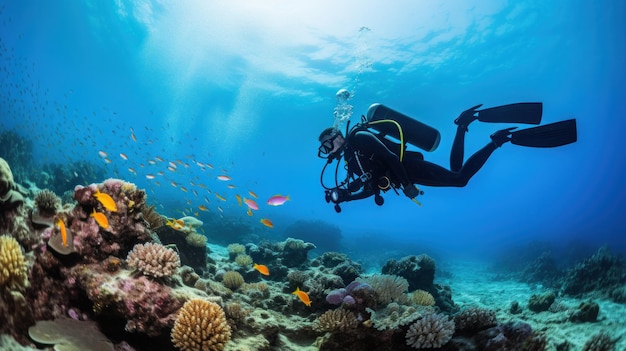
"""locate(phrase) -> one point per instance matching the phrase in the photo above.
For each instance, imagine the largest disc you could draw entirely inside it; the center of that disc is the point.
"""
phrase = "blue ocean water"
(244, 88)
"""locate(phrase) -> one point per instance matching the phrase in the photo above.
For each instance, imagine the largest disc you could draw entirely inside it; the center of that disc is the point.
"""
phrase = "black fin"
(523, 112)
(549, 135)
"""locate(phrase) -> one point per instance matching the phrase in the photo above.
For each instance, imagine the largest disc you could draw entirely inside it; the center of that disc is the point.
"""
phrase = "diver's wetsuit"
(379, 158)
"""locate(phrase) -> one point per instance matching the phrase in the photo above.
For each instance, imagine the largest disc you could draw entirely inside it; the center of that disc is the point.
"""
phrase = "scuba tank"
(407, 129)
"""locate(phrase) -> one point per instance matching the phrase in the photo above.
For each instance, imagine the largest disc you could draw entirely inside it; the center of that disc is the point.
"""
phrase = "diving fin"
(549, 135)
(523, 112)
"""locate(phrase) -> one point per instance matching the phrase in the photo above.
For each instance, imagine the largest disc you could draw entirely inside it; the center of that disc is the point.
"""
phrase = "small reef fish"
(132, 170)
(132, 135)
(158, 158)
(304, 297)
(176, 224)
(173, 183)
(183, 189)
(123, 156)
(60, 225)
(172, 164)
(172, 169)
(239, 201)
(249, 212)
(152, 162)
(100, 218)
(251, 204)
(106, 201)
(223, 178)
(261, 268)
(107, 160)
(266, 222)
(277, 200)
(230, 186)
(253, 194)
(202, 208)
(102, 154)
(220, 197)
(149, 176)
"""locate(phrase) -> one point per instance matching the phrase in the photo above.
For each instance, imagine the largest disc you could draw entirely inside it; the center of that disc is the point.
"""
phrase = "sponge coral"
(432, 331)
(12, 265)
(154, 260)
(201, 325)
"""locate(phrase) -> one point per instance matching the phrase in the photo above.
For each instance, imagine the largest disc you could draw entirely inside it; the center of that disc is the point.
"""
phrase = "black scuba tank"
(414, 132)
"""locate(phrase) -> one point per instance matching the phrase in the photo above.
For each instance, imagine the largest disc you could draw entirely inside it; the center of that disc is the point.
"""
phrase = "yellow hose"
(399, 132)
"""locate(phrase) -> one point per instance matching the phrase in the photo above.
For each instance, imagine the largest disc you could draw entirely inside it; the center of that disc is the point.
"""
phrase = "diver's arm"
(369, 144)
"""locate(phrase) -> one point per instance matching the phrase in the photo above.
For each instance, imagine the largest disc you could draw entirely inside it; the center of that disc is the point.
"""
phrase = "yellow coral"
(236, 249)
(195, 239)
(12, 265)
(200, 325)
(243, 260)
(422, 298)
(232, 280)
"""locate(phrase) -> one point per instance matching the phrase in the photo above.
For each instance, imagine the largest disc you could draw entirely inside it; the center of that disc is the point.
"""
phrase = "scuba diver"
(375, 162)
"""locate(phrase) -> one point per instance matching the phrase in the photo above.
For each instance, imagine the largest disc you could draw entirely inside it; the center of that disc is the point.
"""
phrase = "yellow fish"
(106, 200)
(239, 201)
(266, 222)
(100, 218)
(61, 227)
(261, 268)
(304, 297)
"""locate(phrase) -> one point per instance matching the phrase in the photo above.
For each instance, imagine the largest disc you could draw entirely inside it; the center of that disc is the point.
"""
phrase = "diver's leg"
(456, 154)
(430, 174)
(458, 146)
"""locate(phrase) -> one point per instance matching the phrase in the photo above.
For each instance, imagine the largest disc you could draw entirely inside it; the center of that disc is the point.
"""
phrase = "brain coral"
(153, 260)
(200, 325)
(12, 265)
(432, 331)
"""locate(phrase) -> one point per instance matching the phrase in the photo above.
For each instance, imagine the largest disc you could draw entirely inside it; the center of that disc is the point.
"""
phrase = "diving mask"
(327, 146)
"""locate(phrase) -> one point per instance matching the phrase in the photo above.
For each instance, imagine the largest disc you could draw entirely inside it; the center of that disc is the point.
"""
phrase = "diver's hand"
(410, 191)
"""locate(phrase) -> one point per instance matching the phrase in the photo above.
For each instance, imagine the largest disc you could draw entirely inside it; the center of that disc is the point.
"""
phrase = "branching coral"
(339, 320)
(12, 265)
(201, 325)
(154, 260)
(432, 331)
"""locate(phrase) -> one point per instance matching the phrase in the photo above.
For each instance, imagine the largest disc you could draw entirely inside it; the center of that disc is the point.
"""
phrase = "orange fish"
(266, 222)
(100, 218)
(106, 200)
(304, 297)
(176, 224)
(61, 227)
(261, 268)
(223, 178)
(251, 204)
(202, 208)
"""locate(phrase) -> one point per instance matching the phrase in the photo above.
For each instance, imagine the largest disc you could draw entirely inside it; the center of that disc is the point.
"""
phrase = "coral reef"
(154, 260)
(200, 325)
(542, 270)
(232, 280)
(387, 288)
(587, 312)
(190, 255)
(601, 272)
(431, 331)
(419, 271)
(294, 252)
(393, 316)
(600, 342)
(422, 298)
(539, 303)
